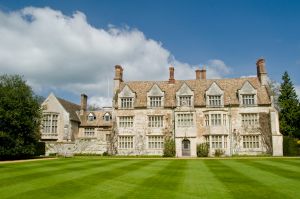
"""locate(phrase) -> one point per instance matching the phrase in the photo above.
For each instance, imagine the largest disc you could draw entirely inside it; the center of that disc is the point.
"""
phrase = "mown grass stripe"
(47, 172)
(200, 182)
(284, 187)
(286, 173)
(75, 185)
(124, 183)
(239, 185)
(163, 184)
(51, 180)
(20, 171)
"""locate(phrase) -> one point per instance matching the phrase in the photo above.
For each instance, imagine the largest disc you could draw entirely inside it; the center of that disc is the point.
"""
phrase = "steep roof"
(71, 108)
(229, 86)
(99, 121)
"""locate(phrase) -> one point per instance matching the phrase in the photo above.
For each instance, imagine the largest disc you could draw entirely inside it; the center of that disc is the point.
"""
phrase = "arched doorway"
(186, 147)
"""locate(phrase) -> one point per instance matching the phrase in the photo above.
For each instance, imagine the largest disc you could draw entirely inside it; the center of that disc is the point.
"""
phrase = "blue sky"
(194, 32)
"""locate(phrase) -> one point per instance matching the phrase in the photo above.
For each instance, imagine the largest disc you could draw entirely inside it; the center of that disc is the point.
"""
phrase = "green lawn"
(92, 177)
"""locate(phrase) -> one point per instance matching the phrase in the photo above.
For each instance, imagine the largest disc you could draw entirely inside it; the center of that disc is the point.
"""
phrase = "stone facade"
(234, 116)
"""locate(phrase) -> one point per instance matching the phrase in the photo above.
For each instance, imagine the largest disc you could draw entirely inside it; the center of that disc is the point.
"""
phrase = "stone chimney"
(198, 74)
(118, 77)
(171, 78)
(83, 103)
(261, 72)
(203, 73)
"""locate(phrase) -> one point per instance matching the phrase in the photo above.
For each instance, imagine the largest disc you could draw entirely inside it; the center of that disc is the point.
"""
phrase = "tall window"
(214, 100)
(250, 141)
(50, 123)
(248, 99)
(249, 119)
(126, 121)
(156, 142)
(89, 132)
(185, 100)
(215, 119)
(155, 101)
(125, 142)
(155, 121)
(185, 119)
(126, 102)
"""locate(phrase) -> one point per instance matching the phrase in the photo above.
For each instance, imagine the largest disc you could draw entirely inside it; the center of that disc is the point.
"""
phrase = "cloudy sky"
(72, 48)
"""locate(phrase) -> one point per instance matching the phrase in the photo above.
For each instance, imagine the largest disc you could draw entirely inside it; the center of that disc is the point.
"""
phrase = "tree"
(20, 116)
(289, 115)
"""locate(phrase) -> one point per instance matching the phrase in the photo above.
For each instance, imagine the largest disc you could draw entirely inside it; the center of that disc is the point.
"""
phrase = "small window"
(216, 119)
(126, 121)
(89, 132)
(155, 101)
(185, 100)
(155, 121)
(107, 117)
(126, 102)
(125, 142)
(91, 117)
(250, 141)
(248, 99)
(185, 119)
(249, 119)
(156, 142)
(214, 100)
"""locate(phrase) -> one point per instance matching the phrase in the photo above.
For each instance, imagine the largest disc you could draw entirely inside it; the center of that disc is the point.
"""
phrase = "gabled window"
(107, 117)
(185, 100)
(248, 99)
(214, 96)
(185, 96)
(91, 117)
(126, 102)
(247, 95)
(155, 101)
(214, 100)
(126, 98)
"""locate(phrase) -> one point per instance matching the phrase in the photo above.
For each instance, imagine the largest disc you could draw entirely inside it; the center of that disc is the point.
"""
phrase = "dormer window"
(185, 96)
(248, 99)
(185, 100)
(107, 117)
(126, 102)
(247, 95)
(214, 100)
(214, 96)
(155, 101)
(91, 117)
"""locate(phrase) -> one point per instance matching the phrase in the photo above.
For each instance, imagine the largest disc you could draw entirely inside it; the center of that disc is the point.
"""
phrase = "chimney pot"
(118, 73)
(203, 73)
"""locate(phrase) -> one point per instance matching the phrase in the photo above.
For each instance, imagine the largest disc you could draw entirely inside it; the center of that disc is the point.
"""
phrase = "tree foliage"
(289, 115)
(19, 118)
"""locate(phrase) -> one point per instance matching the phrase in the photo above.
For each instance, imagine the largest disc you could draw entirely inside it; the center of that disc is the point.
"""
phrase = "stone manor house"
(235, 116)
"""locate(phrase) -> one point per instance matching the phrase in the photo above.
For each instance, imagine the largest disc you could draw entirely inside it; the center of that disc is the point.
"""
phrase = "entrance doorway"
(186, 147)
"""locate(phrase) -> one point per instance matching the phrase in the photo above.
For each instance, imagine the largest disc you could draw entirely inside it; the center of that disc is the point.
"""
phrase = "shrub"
(105, 153)
(202, 150)
(290, 146)
(169, 148)
(219, 152)
(40, 149)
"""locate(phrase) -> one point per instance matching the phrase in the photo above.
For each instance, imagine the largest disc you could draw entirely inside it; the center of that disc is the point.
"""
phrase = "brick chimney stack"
(261, 71)
(198, 74)
(171, 78)
(118, 77)
(83, 103)
(203, 73)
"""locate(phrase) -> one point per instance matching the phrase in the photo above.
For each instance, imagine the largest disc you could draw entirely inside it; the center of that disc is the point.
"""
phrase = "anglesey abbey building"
(235, 116)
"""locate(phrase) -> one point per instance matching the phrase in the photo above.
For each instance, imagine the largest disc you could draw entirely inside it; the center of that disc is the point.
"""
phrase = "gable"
(214, 89)
(126, 92)
(247, 88)
(185, 90)
(155, 91)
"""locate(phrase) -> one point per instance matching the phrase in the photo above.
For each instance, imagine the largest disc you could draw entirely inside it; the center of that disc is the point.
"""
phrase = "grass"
(94, 177)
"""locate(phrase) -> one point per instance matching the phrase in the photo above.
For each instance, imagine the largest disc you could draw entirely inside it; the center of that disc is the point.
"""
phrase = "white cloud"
(56, 51)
